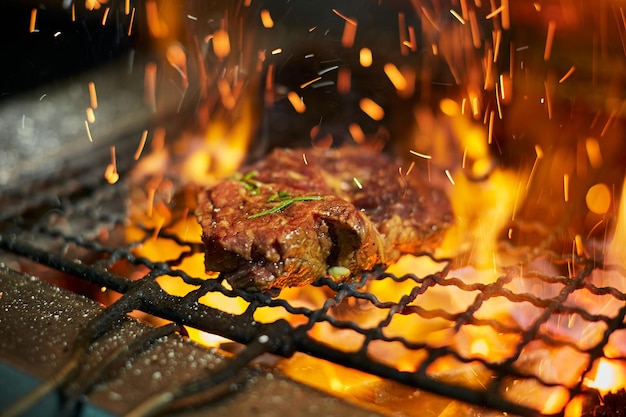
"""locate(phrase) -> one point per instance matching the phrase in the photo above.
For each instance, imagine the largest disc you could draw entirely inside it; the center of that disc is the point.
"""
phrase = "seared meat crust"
(335, 222)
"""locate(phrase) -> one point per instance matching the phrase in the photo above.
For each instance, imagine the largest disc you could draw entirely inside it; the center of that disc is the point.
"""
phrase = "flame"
(482, 207)
(607, 376)
(485, 197)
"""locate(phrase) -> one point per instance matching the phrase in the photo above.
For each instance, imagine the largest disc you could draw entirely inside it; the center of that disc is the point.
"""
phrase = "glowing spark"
(496, 47)
(308, 83)
(464, 160)
(498, 105)
(593, 152)
(449, 177)
(296, 101)
(548, 99)
(110, 173)
(126, 7)
(365, 57)
(519, 186)
(88, 131)
(566, 187)
(412, 39)
(506, 88)
(304, 159)
(277, 51)
(130, 25)
(549, 40)
(402, 179)
(329, 69)
(91, 117)
(539, 153)
(395, 76)
(221, 43)
(607, 124)
(105, 16)
(505, 18)
(475, 106)
(594, 228)
(349, 34)
(93, 97)
(490, 131)
(344, 80)
(567, 74)
(73, 12)
(421, 155)
(356, 132)
(372, 109)
(113, 158)
(177, 58)
(464, 9)
(488, 71)
(33, 20)
(495, 13)
(408, 171)
(457, 16)
(358, 183)
(266, 19)
(142, 143)
(578, 242)
(347, 19)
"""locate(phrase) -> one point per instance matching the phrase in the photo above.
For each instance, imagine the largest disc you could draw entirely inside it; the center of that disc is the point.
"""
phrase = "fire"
(607, 376)
(458, 151)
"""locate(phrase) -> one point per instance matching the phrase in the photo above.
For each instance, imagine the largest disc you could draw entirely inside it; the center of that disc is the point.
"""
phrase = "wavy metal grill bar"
(77, 227)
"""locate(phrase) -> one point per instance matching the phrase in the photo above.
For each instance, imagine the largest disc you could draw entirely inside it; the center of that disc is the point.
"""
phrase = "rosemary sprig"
(282, 197)
(286, 201)
(253, 186)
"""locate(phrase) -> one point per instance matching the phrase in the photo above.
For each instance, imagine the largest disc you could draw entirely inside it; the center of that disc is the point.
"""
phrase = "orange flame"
(607, 376)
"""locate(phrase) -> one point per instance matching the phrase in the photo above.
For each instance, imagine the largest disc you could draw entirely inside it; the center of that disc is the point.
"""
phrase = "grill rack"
(80, 197)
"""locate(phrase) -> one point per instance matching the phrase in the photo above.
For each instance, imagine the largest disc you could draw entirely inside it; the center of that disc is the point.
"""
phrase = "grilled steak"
(289, 218)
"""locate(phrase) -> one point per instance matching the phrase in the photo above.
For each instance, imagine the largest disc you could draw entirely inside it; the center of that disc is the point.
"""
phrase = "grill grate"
(78, 227)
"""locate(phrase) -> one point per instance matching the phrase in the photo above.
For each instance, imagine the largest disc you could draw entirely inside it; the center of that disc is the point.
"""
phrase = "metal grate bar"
(80, 231)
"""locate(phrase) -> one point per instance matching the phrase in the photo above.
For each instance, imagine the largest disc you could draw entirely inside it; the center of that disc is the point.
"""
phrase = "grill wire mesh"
(75, 222)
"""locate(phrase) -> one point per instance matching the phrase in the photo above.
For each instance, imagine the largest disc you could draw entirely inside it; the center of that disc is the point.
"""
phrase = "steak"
(300, 214)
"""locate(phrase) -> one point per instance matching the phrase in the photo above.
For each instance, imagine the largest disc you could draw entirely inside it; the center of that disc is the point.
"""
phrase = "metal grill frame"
(81, 195)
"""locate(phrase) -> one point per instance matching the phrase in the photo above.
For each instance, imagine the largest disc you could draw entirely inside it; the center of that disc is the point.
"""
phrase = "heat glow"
(456, 142)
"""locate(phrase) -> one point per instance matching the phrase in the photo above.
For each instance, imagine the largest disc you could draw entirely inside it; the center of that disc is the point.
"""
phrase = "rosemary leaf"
(286, 202)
